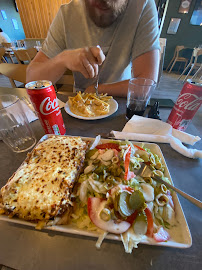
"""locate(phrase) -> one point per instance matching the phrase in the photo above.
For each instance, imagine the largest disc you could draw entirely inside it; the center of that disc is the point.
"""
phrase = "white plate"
(180, 234)
(113, 108)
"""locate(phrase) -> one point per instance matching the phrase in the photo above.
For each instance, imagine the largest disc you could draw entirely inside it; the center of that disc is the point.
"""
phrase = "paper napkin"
(152, 130)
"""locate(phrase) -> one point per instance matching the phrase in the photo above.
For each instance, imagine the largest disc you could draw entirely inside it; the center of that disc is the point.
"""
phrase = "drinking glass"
(13, 45)
(38, 43)
(19, 44)
(139, 93)
(15, 129)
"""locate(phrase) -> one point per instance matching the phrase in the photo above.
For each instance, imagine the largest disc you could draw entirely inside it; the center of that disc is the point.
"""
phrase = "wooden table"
(22, 247)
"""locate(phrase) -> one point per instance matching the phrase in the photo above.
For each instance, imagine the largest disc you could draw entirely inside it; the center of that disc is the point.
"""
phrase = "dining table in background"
(22, 247)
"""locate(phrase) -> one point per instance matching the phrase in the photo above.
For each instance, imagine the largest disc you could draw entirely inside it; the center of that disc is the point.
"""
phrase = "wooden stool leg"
(172, 66)
(12, 83)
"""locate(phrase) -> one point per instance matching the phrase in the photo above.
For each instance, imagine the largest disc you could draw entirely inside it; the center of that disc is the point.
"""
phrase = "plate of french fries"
(89, 106)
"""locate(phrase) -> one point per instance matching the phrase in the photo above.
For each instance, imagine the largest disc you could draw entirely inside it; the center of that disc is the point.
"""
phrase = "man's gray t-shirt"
(135, 32)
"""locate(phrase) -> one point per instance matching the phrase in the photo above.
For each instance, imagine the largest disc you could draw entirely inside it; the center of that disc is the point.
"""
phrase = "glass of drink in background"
(38, 43)
(19, 44)
(15, 129)
(139, 93)
(13, 45)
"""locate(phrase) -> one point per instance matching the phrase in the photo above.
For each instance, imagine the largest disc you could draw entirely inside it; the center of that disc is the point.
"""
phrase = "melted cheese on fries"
(40, 189)
(89, 105)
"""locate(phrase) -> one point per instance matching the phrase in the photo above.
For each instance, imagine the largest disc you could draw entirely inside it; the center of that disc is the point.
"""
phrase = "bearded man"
(106, 37)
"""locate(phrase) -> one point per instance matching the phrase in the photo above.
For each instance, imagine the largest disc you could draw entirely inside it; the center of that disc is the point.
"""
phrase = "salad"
(110, 196)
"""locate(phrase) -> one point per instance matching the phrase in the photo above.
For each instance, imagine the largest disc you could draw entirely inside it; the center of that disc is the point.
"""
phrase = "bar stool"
(9, 52)
(193, 64)
(24, 55)
(2, 53)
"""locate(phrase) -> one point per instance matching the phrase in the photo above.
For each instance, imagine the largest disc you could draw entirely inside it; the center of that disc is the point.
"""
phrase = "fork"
(96, 86)
(145, 171)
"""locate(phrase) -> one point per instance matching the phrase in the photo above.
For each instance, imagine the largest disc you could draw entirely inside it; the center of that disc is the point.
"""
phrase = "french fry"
(89, 105)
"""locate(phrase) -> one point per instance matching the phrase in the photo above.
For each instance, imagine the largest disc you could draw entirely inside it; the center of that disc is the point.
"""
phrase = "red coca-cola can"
(187, 104)
(43, 97)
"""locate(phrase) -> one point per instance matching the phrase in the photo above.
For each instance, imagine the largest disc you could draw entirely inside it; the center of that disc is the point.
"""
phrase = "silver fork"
(145, 171)
(96, 86)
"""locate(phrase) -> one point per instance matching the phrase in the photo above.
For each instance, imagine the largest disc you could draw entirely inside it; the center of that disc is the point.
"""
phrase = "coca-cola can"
(43, 97)
(187, 104)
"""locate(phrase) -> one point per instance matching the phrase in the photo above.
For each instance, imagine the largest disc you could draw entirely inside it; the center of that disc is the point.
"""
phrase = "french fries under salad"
(111, 198)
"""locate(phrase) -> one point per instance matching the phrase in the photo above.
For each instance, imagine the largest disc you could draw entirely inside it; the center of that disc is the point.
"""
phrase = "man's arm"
(84, 60)
(144, 66)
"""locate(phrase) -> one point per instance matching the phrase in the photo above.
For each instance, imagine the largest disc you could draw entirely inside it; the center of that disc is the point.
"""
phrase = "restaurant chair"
(65, 84)
(21, 43)
(32, 52)
(6, 45)
(195, 63)
(198, 72)
(15, 72)
(9, 52)
(177, 58)
(2, 54)
(25, 56)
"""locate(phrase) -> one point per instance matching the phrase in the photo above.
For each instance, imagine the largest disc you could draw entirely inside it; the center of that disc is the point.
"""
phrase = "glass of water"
(15, 129)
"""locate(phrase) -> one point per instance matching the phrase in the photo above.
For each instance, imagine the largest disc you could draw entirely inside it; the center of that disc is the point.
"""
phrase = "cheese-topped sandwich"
(40, 189)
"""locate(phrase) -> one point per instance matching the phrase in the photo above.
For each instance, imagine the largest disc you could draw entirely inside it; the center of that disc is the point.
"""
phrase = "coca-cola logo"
(189, 101)
(47, 106)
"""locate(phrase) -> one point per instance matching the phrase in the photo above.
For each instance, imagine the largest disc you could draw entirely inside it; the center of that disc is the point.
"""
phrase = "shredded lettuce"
(130, 240)
(103, 177)
(100, 239)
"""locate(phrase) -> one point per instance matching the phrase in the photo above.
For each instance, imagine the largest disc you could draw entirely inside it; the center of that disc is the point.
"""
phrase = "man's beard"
(105, 19)
(117, 6)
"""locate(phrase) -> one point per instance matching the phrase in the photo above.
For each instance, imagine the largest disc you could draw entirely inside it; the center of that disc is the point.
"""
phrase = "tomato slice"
(150, 226)
(148, 163)
(131, 218)
(108, 146)
(138, 147)
(95, 206)
(162, 235)
(126, 164)
(120, 188)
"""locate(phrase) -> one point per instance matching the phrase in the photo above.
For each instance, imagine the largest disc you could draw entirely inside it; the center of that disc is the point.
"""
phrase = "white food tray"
(180, 234)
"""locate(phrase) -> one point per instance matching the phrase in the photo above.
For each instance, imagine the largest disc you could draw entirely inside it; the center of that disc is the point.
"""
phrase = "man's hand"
(145, 66)
(84, 60)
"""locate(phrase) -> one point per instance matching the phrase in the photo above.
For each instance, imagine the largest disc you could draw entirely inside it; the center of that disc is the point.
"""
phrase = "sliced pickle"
(105, 214)
(90, 153)
(100, 169)
(136, 200)
(140, 224)
(116, 202)
(123, 204)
